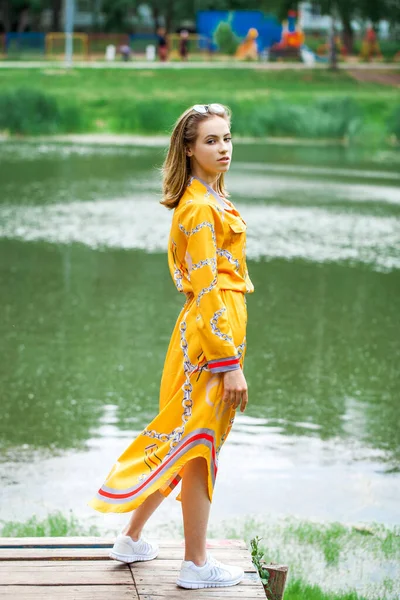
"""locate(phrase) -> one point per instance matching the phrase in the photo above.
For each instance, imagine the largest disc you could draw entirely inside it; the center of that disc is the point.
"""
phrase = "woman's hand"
(235, 389)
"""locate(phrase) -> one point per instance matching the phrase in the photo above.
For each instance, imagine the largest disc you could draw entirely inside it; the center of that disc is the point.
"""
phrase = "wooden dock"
(79, 569)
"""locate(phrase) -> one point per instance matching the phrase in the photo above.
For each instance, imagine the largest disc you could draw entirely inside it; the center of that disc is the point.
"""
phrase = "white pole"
(69, 28)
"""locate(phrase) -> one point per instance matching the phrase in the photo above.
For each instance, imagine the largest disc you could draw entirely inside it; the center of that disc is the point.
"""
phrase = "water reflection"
(84, 328)
(88, 305)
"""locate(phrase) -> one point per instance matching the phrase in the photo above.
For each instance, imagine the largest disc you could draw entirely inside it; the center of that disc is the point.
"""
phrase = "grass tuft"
(299, 590)
(394, 122)
(30, 111)
(56, 524)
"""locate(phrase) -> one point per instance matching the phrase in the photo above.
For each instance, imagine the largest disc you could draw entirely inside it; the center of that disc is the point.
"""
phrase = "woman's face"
(211, 152)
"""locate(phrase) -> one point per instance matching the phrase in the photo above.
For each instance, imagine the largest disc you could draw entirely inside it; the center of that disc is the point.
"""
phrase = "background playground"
(226, 35)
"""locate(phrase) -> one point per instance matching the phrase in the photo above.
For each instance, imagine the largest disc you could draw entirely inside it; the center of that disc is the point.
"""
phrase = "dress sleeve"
(199, 227)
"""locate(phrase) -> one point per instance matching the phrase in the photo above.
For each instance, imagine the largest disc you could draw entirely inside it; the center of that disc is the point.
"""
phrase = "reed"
(31, 112)
(55, 524)
(34, 111)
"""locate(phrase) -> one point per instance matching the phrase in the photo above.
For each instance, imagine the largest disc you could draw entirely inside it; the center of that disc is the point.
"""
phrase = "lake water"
(88, 305)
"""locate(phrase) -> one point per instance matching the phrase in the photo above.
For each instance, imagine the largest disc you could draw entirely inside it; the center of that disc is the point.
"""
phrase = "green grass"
(55, 524)
(306, 104)
(325, 558)
(299, 590)
(31, 111)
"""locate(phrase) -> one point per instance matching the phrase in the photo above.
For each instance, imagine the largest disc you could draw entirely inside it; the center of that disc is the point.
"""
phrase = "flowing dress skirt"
(193, 420)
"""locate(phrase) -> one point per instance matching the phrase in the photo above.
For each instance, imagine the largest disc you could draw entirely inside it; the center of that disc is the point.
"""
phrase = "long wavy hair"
(176, 167)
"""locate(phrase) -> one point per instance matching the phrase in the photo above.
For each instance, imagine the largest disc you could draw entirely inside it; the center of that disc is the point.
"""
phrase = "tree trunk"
(36, 20)
(95, 6)
(332, 46)
(348, 36)
(156, 18)
(56, 20)
(23, 19)
(169, 15)
(5, 10)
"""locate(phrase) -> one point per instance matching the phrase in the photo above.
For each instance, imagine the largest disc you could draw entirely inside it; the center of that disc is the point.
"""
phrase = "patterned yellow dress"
(207, 260)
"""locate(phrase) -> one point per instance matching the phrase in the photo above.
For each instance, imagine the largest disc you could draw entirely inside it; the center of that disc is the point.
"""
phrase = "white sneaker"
(212, 574)
(128, 551)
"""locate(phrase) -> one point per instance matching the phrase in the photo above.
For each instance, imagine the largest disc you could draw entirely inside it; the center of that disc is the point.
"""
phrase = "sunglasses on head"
(215, 109)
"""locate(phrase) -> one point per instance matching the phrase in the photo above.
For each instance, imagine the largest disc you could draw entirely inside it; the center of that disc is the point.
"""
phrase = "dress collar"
(225, 204)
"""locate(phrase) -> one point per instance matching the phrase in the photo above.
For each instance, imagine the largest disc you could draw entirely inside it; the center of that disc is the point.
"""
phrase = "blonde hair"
(176, 167)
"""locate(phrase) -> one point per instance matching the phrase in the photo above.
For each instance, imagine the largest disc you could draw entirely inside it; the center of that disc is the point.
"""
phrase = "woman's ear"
(189, 151)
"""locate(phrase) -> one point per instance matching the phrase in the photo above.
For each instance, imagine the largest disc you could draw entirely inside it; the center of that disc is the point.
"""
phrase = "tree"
(116, 13)
(347, 10)
(16, 13)
(56, 6)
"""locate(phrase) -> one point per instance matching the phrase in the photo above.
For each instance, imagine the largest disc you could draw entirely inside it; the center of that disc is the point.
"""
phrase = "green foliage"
(328, 538)
(299, 590)
(391, 544)
(257, 556)
(116, 12)
(149, 117)
(54, 525)
(324, 118)
(31, 111)
(394, 122)
(347, 10)
(225, 38)
(315, 105)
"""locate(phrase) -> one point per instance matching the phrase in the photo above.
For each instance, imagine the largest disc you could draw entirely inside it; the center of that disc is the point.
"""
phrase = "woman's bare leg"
(142, 514)
(195, 509)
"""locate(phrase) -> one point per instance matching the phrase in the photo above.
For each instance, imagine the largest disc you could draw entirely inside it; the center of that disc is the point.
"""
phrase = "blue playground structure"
(18, 43)
(268, 27)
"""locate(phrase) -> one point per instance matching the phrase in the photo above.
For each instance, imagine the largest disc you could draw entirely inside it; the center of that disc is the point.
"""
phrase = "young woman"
(202, 383)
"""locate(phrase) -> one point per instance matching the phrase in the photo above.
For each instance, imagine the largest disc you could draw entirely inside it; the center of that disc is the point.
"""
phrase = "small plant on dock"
(257, 556)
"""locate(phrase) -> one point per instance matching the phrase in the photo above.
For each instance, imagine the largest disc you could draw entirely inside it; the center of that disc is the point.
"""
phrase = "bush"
(30, 111)
(55, 524)
(225, 39)
(153, 116)
(327, 118)
(394, 122)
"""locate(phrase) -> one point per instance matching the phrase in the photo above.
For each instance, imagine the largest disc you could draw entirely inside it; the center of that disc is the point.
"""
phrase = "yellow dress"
(207, 261)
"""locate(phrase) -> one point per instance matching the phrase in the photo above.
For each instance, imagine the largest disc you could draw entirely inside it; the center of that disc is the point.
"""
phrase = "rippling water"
(88, 307)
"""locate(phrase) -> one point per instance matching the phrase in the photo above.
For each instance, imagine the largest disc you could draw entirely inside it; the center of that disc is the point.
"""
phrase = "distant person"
(125, 51)
(184, 44)
(370, 46)
(203, 384)
(162, 44)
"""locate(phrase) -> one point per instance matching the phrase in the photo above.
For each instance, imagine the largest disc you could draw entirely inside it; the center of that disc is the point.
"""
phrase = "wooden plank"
(61, 565)
(250, 588)
(56, 542)
(45, 576)
(9, 554)
(68, 592)
(199, 594)
(235, 592)
(159, 565)
(101, 554)
(93, 542)
(62, 570)
(170, 579)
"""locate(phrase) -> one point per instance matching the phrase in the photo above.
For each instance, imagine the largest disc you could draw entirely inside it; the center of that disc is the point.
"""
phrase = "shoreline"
(140, 65)
(122, 139)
